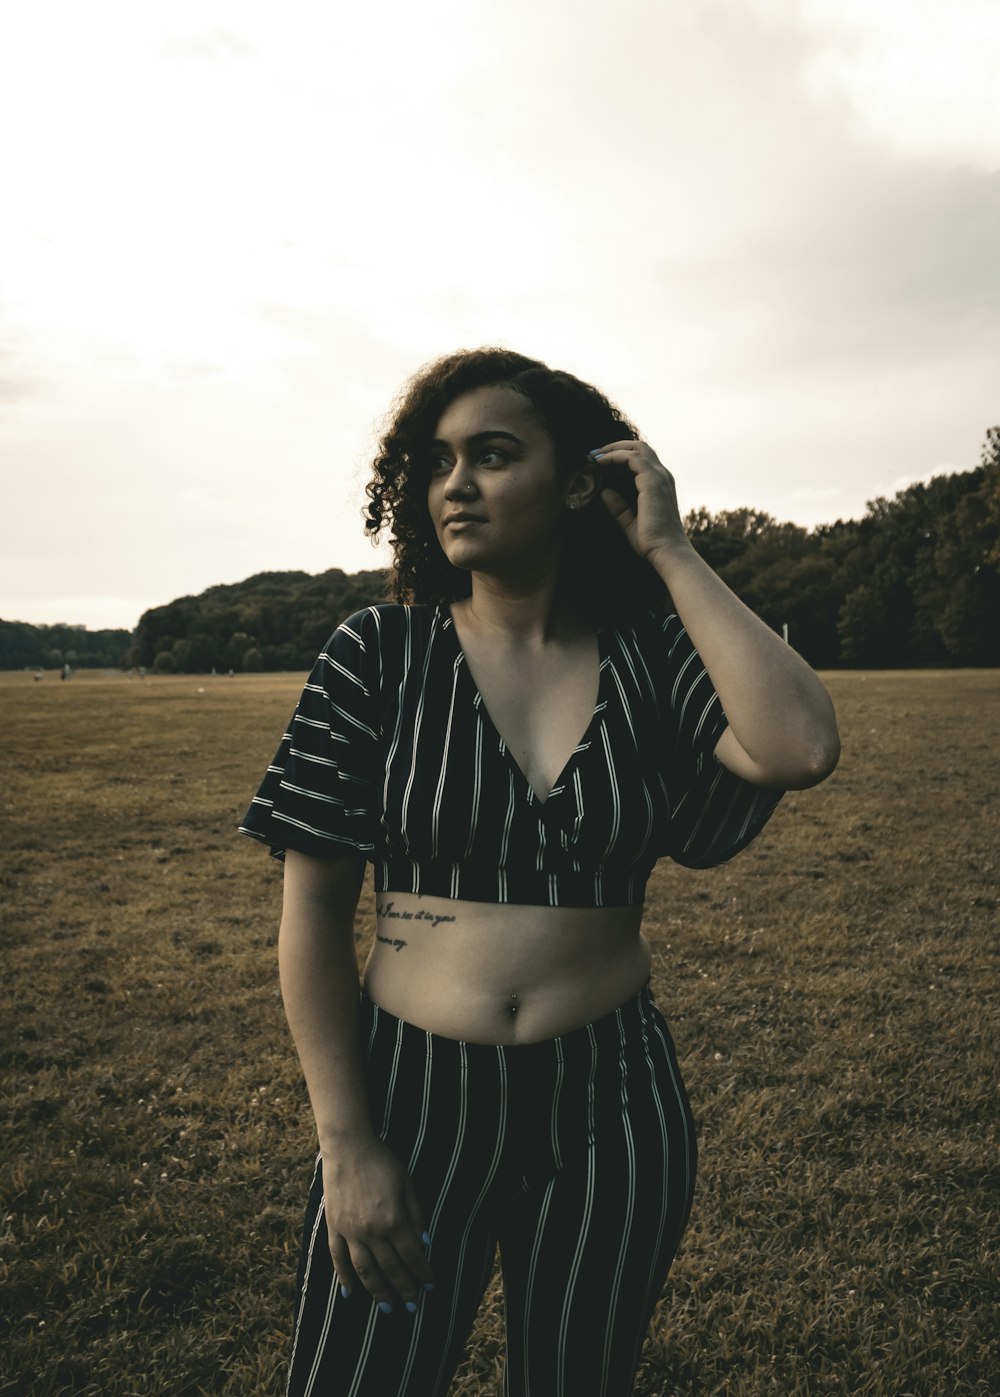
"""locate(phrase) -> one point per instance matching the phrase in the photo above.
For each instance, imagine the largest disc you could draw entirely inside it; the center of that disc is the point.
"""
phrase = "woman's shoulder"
(389, 619)
(370, 645)
(383, 629)
(653, 641)
(645, 625)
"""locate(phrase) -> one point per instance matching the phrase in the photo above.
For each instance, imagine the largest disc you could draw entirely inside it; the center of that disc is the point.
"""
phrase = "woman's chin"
(463, 555)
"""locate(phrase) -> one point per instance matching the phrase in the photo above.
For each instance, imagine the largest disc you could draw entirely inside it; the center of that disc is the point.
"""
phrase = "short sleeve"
(713, 814)
(319, 794)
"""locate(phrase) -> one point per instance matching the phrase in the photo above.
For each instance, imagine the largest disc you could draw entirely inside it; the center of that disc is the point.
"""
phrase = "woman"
(512, 748)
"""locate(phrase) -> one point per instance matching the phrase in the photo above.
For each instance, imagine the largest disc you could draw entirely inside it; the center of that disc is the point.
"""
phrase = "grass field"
(832, 992)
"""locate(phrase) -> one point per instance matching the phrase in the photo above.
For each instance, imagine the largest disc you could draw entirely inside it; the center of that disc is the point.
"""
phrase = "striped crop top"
(392, 755)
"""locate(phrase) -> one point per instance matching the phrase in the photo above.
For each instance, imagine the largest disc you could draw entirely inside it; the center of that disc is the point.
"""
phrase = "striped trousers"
(576, 1156)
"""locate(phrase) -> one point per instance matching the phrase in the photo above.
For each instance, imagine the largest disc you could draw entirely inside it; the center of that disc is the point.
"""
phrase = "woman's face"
(494, 495)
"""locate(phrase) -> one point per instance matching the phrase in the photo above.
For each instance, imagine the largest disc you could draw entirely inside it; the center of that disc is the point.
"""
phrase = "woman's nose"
(459, 485)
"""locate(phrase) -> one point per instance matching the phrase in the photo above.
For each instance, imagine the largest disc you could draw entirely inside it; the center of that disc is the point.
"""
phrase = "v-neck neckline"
(601, 702)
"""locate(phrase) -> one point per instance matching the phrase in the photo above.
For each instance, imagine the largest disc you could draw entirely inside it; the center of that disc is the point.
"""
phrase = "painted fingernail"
(595, 455)
(411, 1305)
(426, 1239)
(385, 1307)
(345, 1292)
(428, 1287)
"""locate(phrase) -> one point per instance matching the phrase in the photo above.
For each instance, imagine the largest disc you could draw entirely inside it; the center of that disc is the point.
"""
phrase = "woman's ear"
(581, 487)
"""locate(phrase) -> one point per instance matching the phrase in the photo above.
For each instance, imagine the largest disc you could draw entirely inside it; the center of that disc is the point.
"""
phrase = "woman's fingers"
(390, 1269)
(655, 523)
(346, 1277)
(630, 445)
(634, 454)
(617, 508)
(390, 1274)
(358, 1271)
(404, 1265)
(419, 1263)
(372, 1275)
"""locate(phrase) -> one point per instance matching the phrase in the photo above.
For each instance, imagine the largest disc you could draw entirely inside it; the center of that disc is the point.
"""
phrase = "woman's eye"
(441, 465)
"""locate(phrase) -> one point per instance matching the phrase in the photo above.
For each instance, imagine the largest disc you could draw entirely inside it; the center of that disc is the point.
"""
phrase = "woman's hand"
(374, 1223)
(655, 524)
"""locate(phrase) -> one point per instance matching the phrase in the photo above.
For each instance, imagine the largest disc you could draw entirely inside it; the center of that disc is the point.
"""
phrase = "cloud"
(193, 371)
(209, 46)
(16, 383)
(883, 268)
(919, 76)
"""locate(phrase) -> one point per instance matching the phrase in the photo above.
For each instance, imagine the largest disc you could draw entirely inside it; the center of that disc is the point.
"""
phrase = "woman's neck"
(533, 613)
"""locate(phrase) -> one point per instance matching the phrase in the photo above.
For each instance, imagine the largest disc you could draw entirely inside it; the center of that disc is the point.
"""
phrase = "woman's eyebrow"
(478, 437)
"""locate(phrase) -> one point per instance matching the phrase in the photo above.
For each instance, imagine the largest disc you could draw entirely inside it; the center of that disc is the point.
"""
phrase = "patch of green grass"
(832, 993)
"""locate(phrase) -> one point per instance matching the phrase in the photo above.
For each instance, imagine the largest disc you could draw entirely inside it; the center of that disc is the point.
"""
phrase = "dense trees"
(915, 582)
(272, 621)
(50, 647)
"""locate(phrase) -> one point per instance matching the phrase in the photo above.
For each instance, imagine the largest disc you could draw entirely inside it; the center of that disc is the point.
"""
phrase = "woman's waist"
(623, 1027)
(493, 973)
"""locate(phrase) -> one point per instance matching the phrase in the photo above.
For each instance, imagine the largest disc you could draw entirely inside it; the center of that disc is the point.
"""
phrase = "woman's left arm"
(782, 729)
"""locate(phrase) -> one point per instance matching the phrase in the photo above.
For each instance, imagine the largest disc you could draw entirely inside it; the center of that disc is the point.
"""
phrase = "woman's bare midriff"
(500, 973)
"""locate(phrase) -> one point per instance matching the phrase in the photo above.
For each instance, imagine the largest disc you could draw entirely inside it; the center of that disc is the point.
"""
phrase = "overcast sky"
(768, 229)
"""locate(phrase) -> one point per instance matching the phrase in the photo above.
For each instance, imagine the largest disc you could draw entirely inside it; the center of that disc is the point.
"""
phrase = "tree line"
(23, 646)
(916, 581)
(271, 621)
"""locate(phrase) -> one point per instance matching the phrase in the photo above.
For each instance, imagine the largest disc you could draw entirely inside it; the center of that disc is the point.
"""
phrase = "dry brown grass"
(832, 993)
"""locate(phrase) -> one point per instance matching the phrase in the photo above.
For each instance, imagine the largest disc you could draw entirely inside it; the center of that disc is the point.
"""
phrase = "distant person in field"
(512, 744)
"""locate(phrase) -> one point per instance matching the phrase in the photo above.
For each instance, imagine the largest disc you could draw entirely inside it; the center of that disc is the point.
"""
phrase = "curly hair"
(601, 572)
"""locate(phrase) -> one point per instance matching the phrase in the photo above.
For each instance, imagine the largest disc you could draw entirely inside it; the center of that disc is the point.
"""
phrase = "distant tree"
(723, 537)
(236, 648)
(22, 644)
(288, 656)
(202, 653)
(874, 621)
(804, 593)
(253, 661)
(969, 622)
(989, 495)
(163, 663)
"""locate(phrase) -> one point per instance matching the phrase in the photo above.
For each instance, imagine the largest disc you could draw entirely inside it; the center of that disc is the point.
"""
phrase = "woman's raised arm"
(782, 729)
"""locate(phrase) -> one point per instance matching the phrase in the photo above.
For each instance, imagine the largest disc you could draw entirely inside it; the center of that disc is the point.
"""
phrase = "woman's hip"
(618, 1073)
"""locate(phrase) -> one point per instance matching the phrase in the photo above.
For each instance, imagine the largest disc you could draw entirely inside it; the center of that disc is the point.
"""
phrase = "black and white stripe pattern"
(575, 1155)
(391, 753)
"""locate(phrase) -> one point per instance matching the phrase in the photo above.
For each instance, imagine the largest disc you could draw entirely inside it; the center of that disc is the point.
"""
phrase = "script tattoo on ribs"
(387, 910)
(397, 942)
